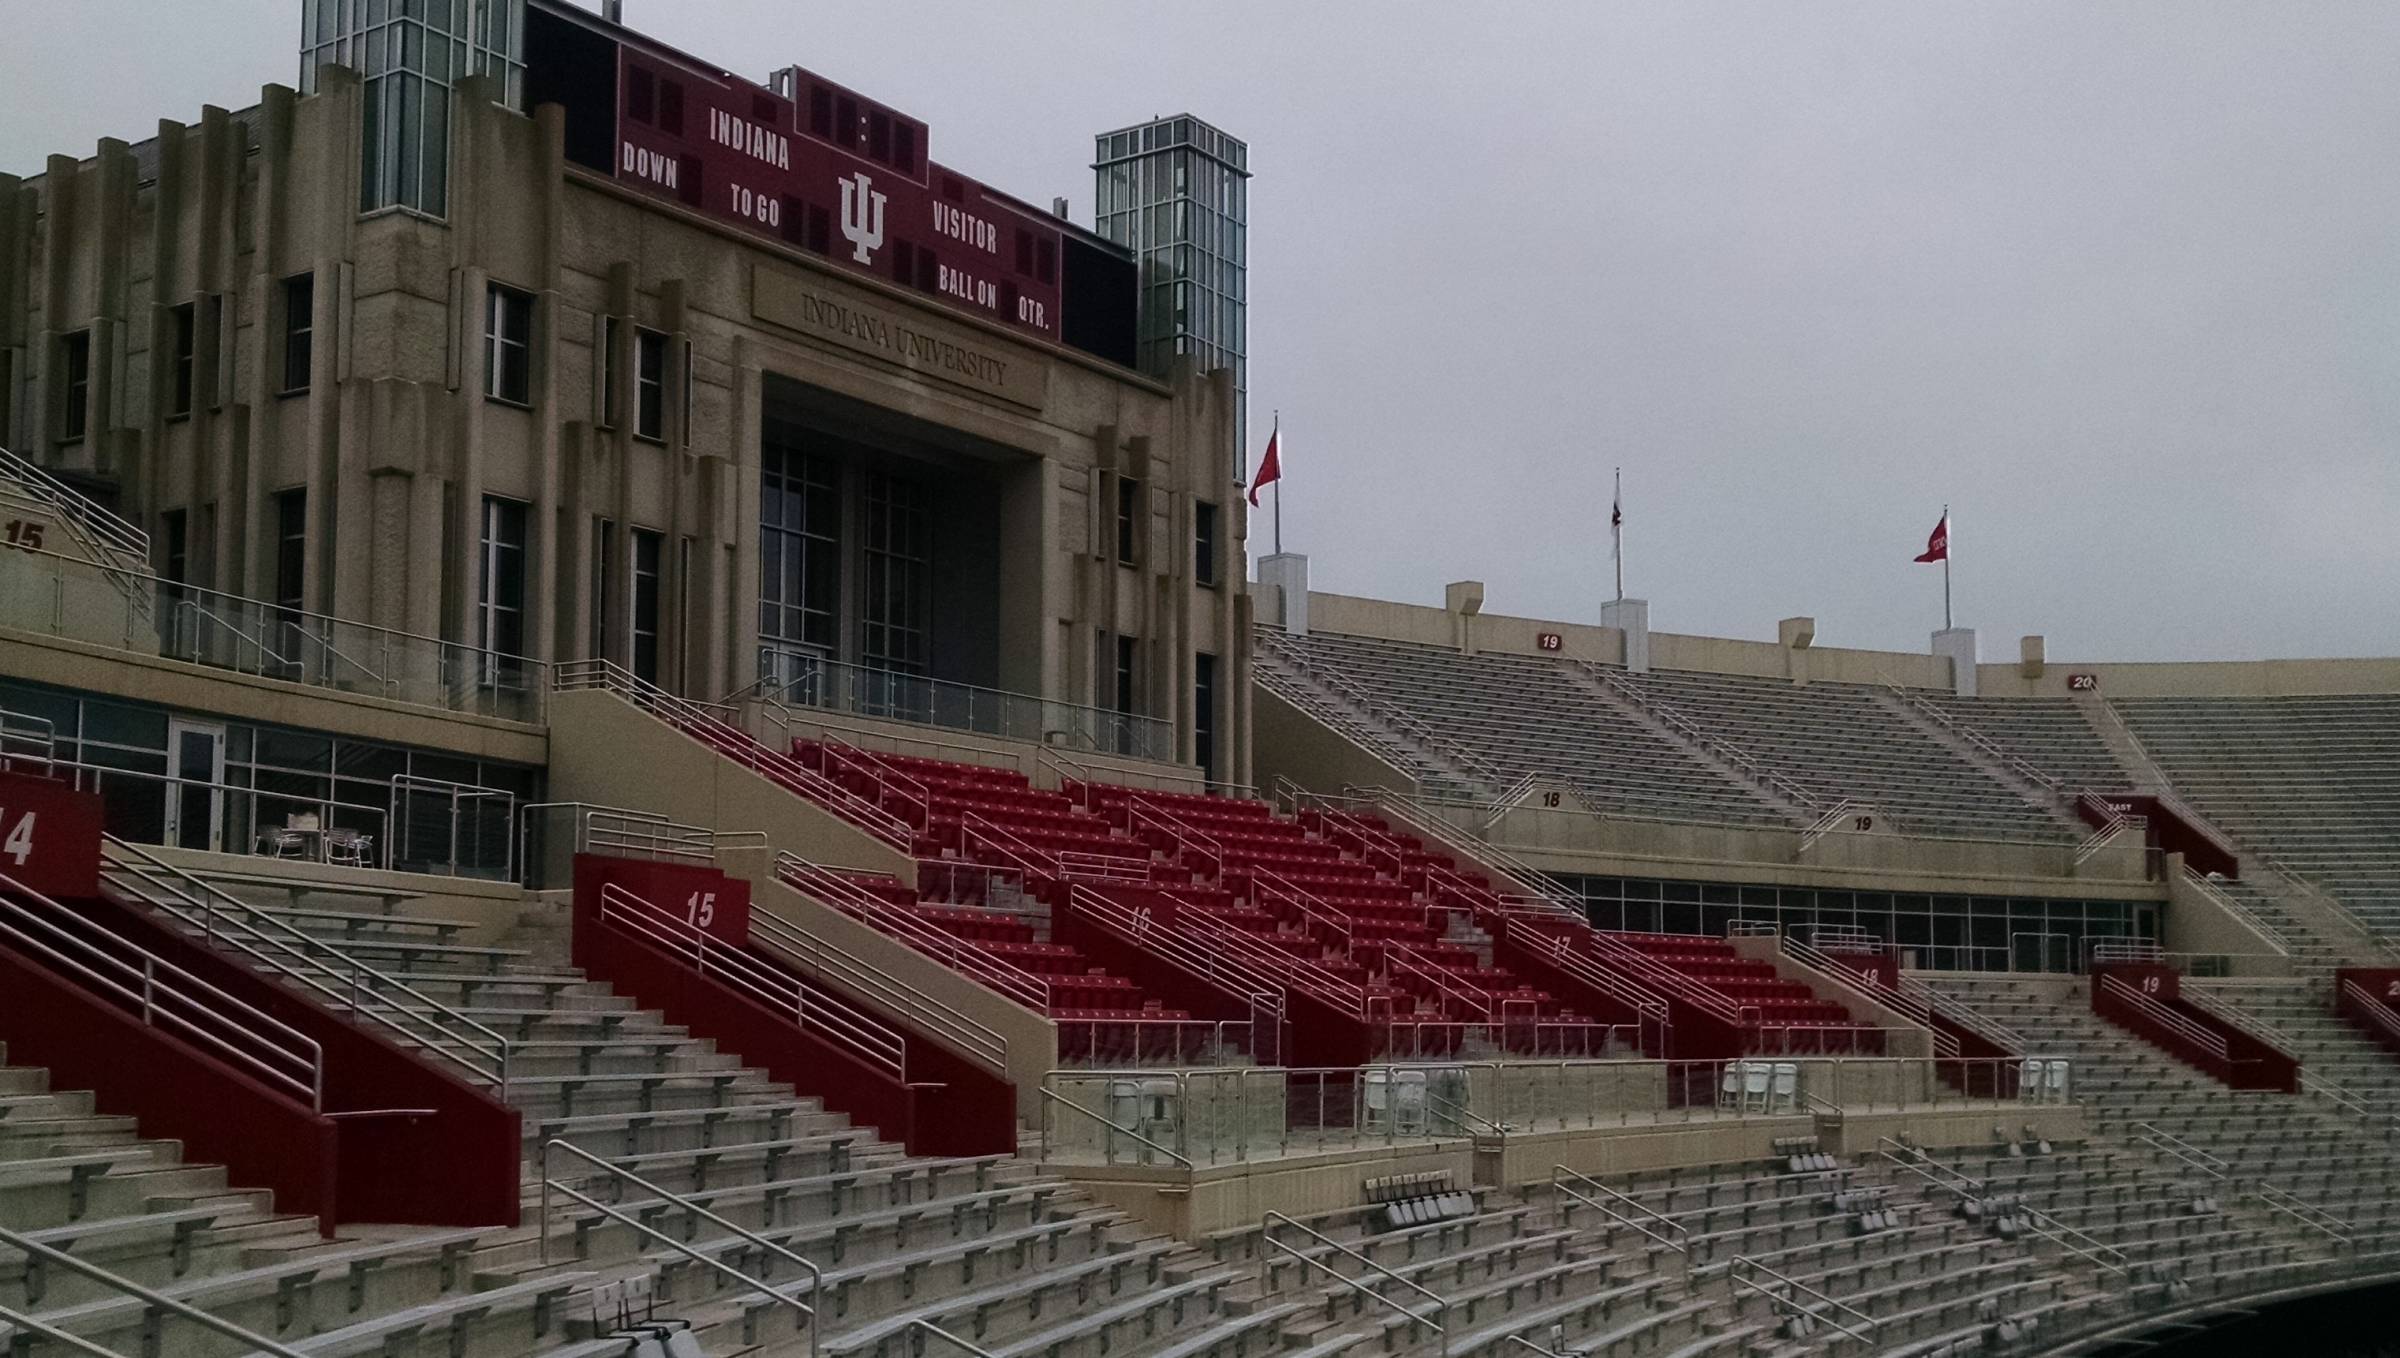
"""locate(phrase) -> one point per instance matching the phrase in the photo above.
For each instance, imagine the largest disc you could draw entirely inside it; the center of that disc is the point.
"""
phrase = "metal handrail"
(1406, 723)
(911, 790)
(409, 784)
(778, 1295)
(343, 980)
(1177, 1156)
(984, 968)
(799, 948)
(2224, 900)
(1794, 1285)
(1911, 1007)
(1668, 716)
(2221, 1170)
(168, 997)
(86, 518)
(2210, 1043)
(1177, 949)
(1683, 1246)
(811, 1010)
(1266, 1235)
(2049, 1227)
(1089, 726)
(1986, 745)
(708, 724)
(1832, 816)
(251, 1343)
(2382, 1014)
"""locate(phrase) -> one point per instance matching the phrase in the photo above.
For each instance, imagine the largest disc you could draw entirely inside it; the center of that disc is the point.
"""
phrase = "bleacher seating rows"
(2051, 734)
(1846, 741)
(1526, 716)
(2313, 781)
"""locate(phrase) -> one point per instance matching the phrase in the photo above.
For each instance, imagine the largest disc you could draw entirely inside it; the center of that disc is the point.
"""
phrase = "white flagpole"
(1276, 438)
(1616, 525)
(1947, 550)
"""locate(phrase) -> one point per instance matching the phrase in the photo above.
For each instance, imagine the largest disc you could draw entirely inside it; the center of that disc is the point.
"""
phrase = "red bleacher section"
(1145, 922)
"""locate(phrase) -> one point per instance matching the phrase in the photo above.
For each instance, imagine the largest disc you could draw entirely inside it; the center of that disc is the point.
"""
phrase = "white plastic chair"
(1787, 1085)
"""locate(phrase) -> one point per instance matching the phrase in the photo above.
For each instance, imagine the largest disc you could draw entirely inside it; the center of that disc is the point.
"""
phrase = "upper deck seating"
(2312, 780)
(2050, 734)
(1524, 715)
(1837, 741)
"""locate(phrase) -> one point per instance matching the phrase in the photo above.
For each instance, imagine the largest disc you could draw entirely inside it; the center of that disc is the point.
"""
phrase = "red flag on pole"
(1270, 467)
(1937, 547)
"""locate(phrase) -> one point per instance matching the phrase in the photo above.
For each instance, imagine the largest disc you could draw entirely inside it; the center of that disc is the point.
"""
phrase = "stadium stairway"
(2315, 1171)
(1022, 1264)
(2339, 1062)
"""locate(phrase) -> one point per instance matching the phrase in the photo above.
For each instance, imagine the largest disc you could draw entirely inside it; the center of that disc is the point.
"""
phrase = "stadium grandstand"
(613, 763)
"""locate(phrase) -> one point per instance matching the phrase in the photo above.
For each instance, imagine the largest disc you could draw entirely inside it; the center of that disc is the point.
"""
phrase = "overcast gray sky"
(2119, 281)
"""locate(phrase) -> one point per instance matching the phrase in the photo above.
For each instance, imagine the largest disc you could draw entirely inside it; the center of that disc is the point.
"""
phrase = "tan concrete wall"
(1190, 1204)
(2197, 922)
(605, 751)
(1429, 624)
(1576, 841)
(2197, 678)
(1291, 744)
(1032, 1038)
(183, 687)
(1903, 1036)
(1955, 1128)
(1042, 763)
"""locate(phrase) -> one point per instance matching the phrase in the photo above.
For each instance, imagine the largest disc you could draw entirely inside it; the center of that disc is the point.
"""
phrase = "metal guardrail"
(1681, 1242)
(167, 997)
(797, 948)
(342, 981)
(828, 887)
(2220, 1170)
(1785, 1292)
(157, 1303)
(694, 1211)
(809, 682)
(711, 726)
(1441, 1306)
(1666, 715)
(2069, 1238)
(811, 1010)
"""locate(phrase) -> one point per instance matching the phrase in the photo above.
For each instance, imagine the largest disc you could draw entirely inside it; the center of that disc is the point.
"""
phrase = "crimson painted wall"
(949, 1106)
(459, 1166)
(2251, 1062)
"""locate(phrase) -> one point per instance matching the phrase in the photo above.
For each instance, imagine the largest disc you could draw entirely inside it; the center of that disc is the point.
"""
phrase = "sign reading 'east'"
(836, 174)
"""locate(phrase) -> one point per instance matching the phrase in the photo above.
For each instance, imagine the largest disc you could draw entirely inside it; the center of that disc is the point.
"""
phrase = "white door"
(196, 796)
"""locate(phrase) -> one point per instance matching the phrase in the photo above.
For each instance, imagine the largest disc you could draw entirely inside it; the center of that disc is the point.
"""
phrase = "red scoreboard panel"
(837, 174)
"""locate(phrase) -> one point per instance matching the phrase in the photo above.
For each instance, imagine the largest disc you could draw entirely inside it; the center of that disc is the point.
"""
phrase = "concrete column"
(1464, 600)
(1958, 645)
(1796, 635)
(1632, 617)
(1287, 574)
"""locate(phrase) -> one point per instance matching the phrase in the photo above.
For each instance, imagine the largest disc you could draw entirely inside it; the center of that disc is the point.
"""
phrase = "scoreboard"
(812, 164)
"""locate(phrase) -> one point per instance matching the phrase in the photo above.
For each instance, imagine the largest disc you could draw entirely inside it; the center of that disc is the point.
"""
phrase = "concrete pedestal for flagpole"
(1287, 573)
(1958, 643)
(1632, 617)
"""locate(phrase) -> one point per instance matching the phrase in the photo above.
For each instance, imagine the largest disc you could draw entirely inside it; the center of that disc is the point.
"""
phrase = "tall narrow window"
(508, 346)
(500, 621)
(800, 553)
(75, 385)
(611, 370)
(175, 554)
(1204, 542)
(1126, 675)
(649, 385)
(648, 547)
(180, 334)
(299, 330)
(1129, 518)
(287, 639)
(898, 576)
(604, 591)
(291, 548)
(1204, 714)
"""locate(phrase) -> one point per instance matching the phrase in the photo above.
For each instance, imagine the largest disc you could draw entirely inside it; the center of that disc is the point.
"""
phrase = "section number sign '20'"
(806, 171)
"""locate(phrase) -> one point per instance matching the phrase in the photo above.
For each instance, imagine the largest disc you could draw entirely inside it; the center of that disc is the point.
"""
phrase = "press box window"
(299, 331)
(508, 346)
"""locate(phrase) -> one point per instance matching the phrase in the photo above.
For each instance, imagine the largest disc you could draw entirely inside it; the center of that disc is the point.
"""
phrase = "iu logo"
(862, 217)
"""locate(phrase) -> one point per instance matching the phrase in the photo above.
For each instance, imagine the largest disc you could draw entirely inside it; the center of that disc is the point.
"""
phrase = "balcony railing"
(78, 600)
(798, 679)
